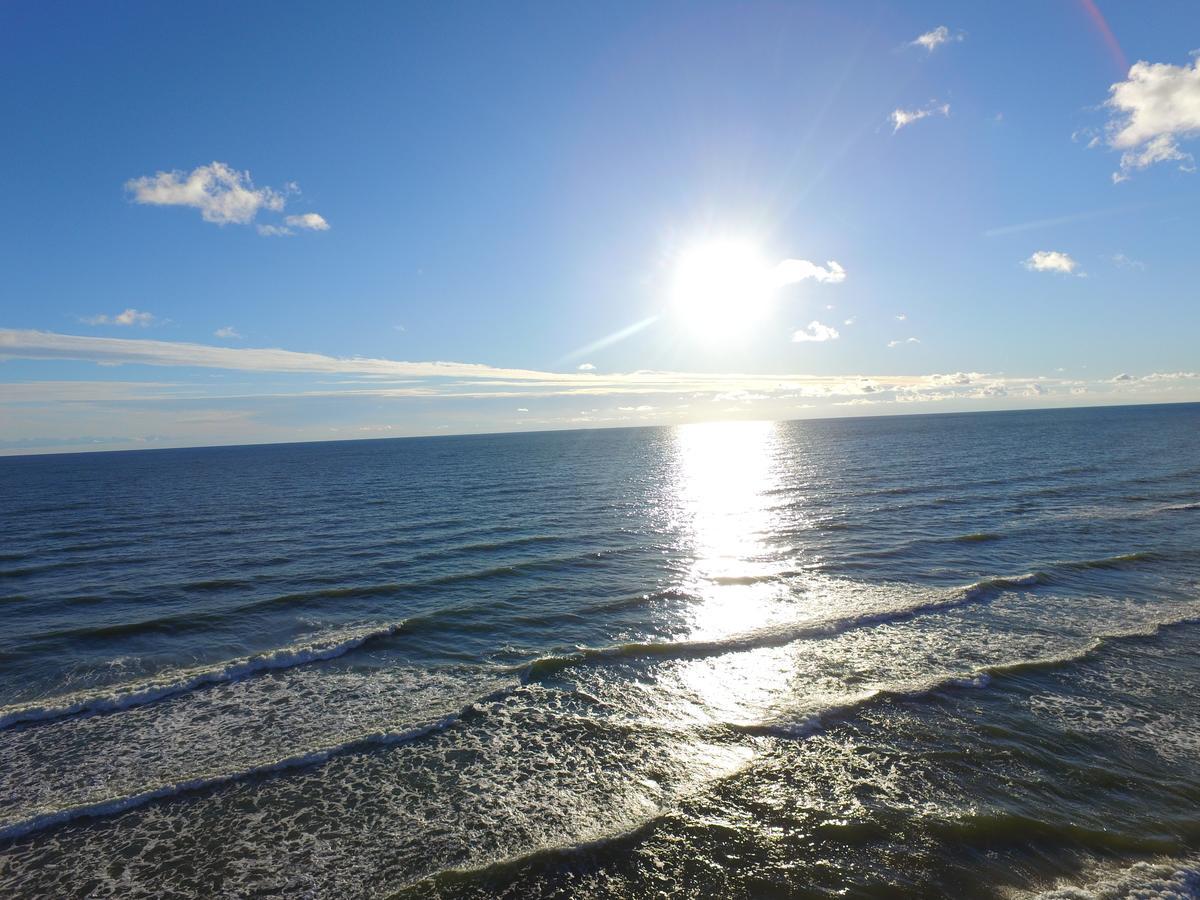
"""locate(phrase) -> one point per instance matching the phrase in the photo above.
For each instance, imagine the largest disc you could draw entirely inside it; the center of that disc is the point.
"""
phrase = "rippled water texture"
(935, 655)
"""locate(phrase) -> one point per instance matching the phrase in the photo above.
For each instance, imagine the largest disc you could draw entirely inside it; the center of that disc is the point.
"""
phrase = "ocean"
(940, 655)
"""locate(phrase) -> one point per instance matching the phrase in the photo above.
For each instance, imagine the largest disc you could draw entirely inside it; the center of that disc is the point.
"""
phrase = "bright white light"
(722, 287)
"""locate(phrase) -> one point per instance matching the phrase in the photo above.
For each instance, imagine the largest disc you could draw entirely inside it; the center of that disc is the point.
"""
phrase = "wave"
(743, 580)
(1161, 878)
(182, 681)
(504, 869)
(548, 666)
(116, 805)
(982, 677)
(976, 537)
(633, 601)
(1122, 561)
(308, 598)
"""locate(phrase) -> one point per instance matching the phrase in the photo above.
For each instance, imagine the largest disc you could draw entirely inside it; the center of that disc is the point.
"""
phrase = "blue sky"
(229, 223)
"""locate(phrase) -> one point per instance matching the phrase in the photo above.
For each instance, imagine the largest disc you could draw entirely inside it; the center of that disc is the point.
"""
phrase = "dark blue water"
(934, 655)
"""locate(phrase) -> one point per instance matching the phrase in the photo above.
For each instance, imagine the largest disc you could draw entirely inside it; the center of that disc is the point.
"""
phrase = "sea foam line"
(978, 591)
(117, 805)
(979, 678)
(807, 727)
(141, 693)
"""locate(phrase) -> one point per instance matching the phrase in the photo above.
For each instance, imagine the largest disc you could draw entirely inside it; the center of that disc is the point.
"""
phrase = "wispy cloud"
(310, 221)
(791, 271)
(250, 408)
(897, 343)
(223, 195)
(1156, 107)
(1120, 259)
(935, 37)
(126, 318)
(903, 117)
(228, 332)
(1051, 261)
(815, 331)
(1056, 221)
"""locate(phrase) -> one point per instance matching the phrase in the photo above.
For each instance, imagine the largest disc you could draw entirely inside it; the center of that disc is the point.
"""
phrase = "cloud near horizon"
(126, 318)
(191, 410)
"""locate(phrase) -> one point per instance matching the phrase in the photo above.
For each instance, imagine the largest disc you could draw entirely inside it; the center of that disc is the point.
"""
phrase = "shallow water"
(921, 655)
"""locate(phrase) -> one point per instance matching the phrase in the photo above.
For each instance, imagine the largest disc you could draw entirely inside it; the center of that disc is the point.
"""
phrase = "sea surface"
(951, 655)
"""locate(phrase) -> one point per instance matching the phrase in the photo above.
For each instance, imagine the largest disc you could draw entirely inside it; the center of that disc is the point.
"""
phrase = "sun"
(722, 287)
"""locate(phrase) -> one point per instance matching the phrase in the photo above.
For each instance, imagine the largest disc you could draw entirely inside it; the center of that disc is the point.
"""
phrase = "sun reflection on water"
(725, 475)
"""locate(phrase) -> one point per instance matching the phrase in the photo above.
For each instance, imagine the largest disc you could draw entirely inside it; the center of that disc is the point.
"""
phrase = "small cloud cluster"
(934, 38)
(307, 221)
(1154, 108)
(1120, 259)
(902, 117)
(228, 332)
(586, 367)
(1051, 261)
(128, 317)
(223, 195)
(816, 332)
(792, 270)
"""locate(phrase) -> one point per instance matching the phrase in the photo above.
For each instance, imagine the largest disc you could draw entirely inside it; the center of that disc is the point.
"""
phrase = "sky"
(239, 223)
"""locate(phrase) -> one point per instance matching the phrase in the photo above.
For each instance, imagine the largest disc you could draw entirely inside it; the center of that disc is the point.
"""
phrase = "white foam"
(328, 646)
(121, 804)
(1159, 880)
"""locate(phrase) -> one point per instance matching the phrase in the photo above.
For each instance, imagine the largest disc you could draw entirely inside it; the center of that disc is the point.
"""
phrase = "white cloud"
(1051, 261)
(1125, 262)
(901, 316)
(128, 317)
(851, 320)
(792, 270)
(816, 332)
(311, 221)
(223, 195)
(1124, 376)
(901, 117)
(1154, 108)
(905, 341)
(45, 415)
(586, 367)
(228, 332)
(931, 40)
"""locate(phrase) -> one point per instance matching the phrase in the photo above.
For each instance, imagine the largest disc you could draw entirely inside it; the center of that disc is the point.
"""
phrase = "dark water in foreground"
(940, 655)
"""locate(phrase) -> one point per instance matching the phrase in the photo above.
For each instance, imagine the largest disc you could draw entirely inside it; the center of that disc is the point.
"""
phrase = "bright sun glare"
(723, 286)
